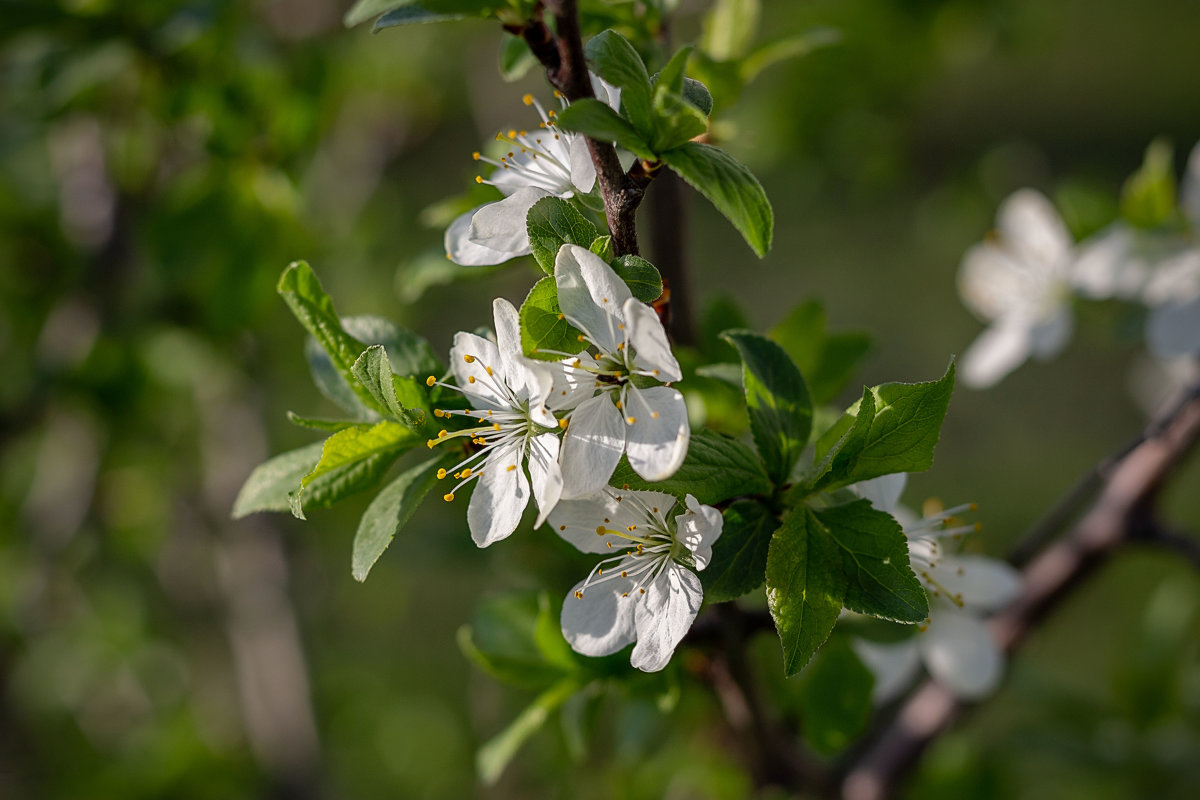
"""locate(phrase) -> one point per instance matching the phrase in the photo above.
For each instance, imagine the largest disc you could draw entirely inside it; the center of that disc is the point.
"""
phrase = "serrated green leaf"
(352, 446)
(268, 486)
(553, 222)
(902, 435)
(345, 481)
(640, 276)
(389, 511)
(543, 326)
(498, 751)
(729, 186)
(805, 585)
(613, 58)
(777, 400)
(739, 558)
(826, 360)
(593, 118)
(716, 468)
(320, 423)
(836, 703)
(602, 246)
(403, 397)
(301, 290)
(670, 78)
(879, 581)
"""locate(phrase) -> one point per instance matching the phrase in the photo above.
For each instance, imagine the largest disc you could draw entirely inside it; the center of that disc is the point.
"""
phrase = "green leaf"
(516, 59)
(836, 703)
(495, 754)
(553, 222)
(670, 79)
(268, 486)
(1148, 196)
(729, 28)
(401, 396)
(345, 481)
(805, 584)
(777, 400)
(739, 557)
(321, 424)
(640, 276)
(676, 122)
(404, 12)
(543, 326)
(303, 293)
(730, 186)
(389, 511)
(613, 58)
(413, 15)
(593, 118)
(602, 246)
(716, 468)
(826, 360)
(844, 439)
(698, 95)
(354, 445)
(879, 580)
(364, 10)
(902, 433)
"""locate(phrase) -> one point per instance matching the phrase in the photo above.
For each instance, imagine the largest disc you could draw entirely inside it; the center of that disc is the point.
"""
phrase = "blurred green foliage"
(161, 162)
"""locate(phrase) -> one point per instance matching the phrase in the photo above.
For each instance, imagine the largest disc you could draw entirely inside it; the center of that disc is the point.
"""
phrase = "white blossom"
(632, 411)
(954, 644)
(1019, 282)
(543, 163)
(647, 592)
(512, 401)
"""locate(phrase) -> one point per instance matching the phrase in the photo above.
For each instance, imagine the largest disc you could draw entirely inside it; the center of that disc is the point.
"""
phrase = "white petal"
(530, 381)
(1030, 226)
(605, 92)
(590, 295)
(577, 521)
(883, 492)
(1174, 329)
(996, 352)
(583, 171)
(485, 391)
(461, 250)
(663, 616)
(501, 494)
(982, 583)
(959, 653)
(894, 666)
(545, 474)
(572, 383)
(592, 447)
(1176, 277)
(649, 341)
(1050, 336)
(698, 528)
(501, 225)
(992, 283)
(656, 440)
(1107, 266)
(601, 622)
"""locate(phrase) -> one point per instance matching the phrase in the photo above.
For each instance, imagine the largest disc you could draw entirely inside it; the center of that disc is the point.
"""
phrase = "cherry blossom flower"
(1019, 282)
(512, 401)
(542, 163)
(648, 592)
(632, 412)
(954, 645)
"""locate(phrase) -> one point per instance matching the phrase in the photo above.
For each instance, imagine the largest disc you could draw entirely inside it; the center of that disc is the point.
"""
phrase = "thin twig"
(1113, 519)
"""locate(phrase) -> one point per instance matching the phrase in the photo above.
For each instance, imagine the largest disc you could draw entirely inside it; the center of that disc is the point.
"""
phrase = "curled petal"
(996, 352)
(959, 652)
(500, 496)
(583, 171)
(663, 616)
(545, 474)
(600, 622)
(657, 431)
(461, 250)
(529, 380)
(649, 341)
(698, 528)
(501, 225)
(592, 447)
(883, 492)
(591, 295)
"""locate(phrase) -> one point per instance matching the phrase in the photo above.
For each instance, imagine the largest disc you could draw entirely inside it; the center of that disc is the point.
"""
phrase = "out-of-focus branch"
(1116, 516)
(562, 56)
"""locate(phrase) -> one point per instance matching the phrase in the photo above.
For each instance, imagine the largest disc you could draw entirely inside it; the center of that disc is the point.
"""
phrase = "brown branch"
(1113, 519)
(562, 57)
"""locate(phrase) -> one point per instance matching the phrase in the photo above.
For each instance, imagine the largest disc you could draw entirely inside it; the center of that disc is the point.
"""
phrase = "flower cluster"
(1024, 280)
(954, 644)
(556, 429)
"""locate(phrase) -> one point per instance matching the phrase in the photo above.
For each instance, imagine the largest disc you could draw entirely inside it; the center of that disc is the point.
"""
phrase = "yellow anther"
(653, 372)
(430, 443)
(599, 530)
(599, 572)
(466, 473)
(470, 359)
(603, 299)
(654, 414)
(442, 433)
(448, 497)
(579, 595)
(562, 423)
(512, 134)
(527, 99)
(655, 509)
(562, 527)
(510, 467)
(552, 113)
(562, 316)
(558, 95)
(495, 426)
(624, 574)
(479, 179)
(430, 381)
(625, 594)
(609, 545)
(441, 474)
(580, 338)
(631, 420)
(470, 379)
(487, 369)
(476, 156)
(620, 326)
(618, 405)
(643, 591)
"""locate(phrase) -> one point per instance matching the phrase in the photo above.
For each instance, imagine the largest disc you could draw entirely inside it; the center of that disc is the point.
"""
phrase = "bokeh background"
(160, 163)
